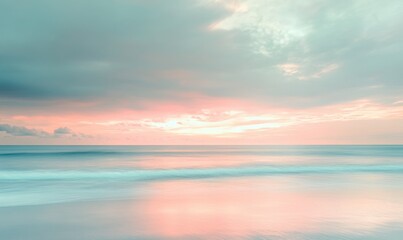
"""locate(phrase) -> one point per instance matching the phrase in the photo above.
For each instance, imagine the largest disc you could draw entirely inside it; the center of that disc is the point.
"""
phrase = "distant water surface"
(201, 192)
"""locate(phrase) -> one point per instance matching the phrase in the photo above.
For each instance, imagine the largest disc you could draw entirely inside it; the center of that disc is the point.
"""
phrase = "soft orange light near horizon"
(219, 123)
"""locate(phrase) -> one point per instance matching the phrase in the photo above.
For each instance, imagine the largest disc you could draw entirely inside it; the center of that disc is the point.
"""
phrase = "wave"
(161, 174)
(63, 153)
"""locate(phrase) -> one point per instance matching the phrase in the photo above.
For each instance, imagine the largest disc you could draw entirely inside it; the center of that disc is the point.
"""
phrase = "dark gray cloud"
(100, 51)
(117, 53)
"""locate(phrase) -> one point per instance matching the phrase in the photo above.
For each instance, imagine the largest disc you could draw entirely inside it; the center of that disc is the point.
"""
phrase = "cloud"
(209, 122)
(62, 131)
(22, 131)
(19, 90)
(289, 68)
(102, 55)
(272, 25)
(107, 52)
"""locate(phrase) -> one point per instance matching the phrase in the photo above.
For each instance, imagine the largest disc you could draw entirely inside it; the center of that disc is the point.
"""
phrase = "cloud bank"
(21, 131)
(120, 53)
(68, 62)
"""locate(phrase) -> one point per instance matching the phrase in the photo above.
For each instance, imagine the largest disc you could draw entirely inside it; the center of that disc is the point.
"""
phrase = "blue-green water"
(201, 192)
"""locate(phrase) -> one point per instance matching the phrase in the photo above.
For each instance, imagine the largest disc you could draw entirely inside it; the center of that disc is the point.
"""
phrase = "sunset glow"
(202, 72)
(201, 119)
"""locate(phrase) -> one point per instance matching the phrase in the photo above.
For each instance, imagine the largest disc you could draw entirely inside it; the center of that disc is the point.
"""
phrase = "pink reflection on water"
(270, 207)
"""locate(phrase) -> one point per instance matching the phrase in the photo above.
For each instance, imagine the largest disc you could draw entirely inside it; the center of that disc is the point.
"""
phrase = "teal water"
(201, 192)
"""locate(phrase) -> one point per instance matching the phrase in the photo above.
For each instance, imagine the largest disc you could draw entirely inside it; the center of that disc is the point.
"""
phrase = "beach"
(201, 192)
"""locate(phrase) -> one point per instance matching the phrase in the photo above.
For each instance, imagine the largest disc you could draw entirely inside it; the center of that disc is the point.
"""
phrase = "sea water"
(201, 192)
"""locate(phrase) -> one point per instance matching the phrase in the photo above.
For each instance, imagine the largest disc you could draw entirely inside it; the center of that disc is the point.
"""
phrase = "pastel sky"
(201, 72)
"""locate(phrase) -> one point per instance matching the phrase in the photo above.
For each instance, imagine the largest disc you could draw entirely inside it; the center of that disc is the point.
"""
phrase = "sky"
(201, 72)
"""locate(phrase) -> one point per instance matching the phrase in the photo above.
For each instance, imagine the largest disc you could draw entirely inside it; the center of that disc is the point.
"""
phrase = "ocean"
(201, 192)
